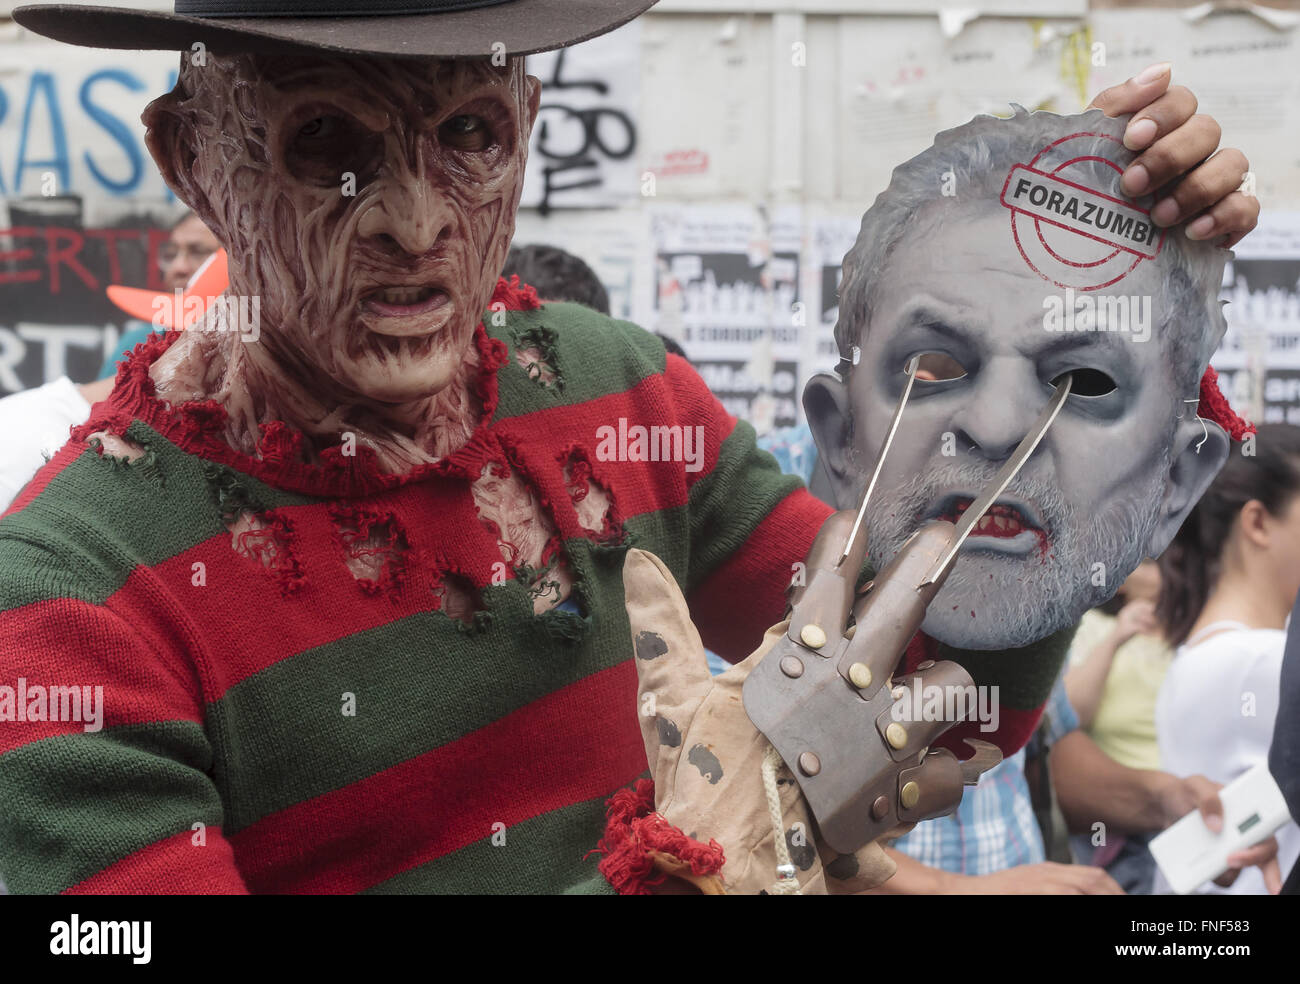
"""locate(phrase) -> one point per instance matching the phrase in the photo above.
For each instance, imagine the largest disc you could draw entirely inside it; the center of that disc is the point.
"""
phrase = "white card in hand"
(1190, 854)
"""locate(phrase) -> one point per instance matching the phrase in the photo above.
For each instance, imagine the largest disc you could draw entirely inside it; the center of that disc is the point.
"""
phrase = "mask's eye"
(466, 132)
(330, 145)
(1088, 382)
(936, 367)
(321, 126)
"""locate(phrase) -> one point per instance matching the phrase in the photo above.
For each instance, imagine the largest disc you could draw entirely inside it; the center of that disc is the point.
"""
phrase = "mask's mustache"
(902, 510)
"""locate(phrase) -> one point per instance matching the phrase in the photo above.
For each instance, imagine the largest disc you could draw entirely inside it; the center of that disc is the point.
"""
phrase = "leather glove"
(707, 759)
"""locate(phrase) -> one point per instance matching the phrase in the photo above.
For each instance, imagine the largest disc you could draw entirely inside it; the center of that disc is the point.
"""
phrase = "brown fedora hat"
(392, 28)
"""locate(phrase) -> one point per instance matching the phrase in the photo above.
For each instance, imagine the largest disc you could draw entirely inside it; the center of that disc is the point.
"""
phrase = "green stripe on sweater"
(99, 519)
(74, 804)
(594, 356)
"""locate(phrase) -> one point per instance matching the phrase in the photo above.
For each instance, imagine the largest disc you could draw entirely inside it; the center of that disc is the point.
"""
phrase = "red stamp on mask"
(1069, 231)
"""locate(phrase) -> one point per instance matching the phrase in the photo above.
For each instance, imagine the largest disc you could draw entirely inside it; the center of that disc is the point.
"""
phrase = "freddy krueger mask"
(1006, 256)
(369, 205)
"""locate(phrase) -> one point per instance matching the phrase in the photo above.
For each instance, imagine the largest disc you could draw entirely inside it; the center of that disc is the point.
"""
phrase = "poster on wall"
(1259, 360)
(727, 288)
(81, 204)
(830, 238)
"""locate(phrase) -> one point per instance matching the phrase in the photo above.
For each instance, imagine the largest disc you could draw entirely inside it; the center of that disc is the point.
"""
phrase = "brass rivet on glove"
(813, 637)
(896, 735)
(898, 693)
(792, 666)
(910, 794)
(809, 764)
(860, 675)
(880, 808)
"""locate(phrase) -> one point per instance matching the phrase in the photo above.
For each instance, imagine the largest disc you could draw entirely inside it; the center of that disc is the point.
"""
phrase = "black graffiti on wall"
(574, 139)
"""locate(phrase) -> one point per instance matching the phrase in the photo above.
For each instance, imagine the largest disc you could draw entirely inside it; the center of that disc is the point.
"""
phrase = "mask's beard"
(1018, 600)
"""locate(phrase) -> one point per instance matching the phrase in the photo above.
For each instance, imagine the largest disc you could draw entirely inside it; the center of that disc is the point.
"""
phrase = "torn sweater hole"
(535, 354)
(112, 445)
(262, 536)
(122, 453)
(592, 500)
(374, 546)
(461, 601)
(525, 534)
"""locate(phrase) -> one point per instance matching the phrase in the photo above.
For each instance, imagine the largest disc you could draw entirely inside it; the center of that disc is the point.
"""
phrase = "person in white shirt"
(1230, 579)
(35, 423)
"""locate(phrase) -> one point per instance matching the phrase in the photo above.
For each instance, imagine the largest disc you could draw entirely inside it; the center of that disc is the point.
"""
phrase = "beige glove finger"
(672, 668)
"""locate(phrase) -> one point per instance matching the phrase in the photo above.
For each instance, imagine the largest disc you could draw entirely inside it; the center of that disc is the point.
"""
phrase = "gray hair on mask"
(980, 154)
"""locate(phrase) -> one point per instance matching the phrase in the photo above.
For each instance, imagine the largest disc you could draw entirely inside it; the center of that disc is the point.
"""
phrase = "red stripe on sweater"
(144, 678)
(240, 602)
(759, 572)
(575, 744)
(67, 454)
(695, 402)
(175, 866)
(677, 398)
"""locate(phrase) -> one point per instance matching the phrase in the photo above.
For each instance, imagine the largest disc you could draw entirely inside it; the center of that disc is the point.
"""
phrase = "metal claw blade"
(986, 756)
(910, 371)
(975, 512)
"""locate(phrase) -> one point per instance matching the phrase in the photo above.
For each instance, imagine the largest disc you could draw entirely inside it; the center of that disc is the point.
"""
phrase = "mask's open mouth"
(1009, 526)
(399, 302)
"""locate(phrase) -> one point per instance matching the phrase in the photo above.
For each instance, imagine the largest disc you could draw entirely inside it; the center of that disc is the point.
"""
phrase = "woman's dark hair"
(1190, 566)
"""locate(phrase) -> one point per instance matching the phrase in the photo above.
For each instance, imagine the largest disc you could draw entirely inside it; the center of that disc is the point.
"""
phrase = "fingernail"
(1135, 180)
(1149, 75)
(1201, 228)
(1214, 822)
(1139, 134)
(1165, 213)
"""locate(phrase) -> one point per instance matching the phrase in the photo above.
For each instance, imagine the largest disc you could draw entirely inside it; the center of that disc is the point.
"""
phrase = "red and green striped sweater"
(286, 726)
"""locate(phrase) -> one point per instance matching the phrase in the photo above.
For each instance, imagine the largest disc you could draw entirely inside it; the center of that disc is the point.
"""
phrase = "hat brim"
(523, 28)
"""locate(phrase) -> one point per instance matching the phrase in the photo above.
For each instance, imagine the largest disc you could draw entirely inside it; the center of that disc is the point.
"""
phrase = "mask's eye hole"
(328, 145)
(1088, 382)
(936, 367)
(320, 127)
(466, 132)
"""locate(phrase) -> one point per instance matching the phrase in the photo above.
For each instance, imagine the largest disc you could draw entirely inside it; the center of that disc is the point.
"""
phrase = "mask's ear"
(826, 402)
(171, 144)
(1198, 454)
